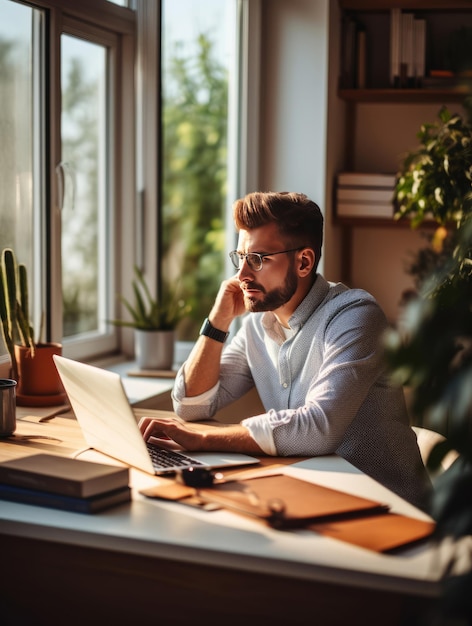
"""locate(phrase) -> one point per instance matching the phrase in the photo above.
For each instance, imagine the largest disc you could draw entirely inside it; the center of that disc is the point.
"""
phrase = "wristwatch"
(210, 331)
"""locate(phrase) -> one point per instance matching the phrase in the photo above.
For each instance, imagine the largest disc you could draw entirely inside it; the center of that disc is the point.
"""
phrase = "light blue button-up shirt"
(323, 385)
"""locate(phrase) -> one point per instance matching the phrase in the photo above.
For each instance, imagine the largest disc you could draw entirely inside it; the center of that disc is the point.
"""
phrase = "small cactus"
(14, 306)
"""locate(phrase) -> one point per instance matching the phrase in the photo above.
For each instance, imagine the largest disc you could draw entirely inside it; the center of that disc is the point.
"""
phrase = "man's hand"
(234, 438)
(189, 437)
(229, 303)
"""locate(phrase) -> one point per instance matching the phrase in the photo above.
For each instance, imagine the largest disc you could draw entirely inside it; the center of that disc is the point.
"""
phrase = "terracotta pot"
(154, 349)
(38, 380)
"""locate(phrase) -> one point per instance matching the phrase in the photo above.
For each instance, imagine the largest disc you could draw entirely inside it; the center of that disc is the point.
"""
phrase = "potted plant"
(434, 185)
(431, 349)
(154, 321)
(435, 179)
(32, 365)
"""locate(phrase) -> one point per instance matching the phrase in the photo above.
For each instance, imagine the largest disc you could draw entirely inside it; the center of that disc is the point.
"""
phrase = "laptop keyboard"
(170, 460)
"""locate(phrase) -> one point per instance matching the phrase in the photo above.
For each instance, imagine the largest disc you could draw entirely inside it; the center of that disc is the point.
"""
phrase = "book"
(419, 49)
(48, 499)
(361, 54)
(406, 56)
(63, 475)
(365, 209)
(348, 53)
(395, 34)
(366, 179)
(364, 194)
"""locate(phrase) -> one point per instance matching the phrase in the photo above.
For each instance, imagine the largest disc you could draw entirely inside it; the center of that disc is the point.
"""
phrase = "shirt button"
(285, 385)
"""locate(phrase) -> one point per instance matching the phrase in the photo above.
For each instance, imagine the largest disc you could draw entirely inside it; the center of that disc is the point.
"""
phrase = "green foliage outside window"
(80, 237)
(194, 172)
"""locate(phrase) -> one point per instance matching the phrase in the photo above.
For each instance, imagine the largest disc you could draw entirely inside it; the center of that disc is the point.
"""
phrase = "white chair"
(427, 439)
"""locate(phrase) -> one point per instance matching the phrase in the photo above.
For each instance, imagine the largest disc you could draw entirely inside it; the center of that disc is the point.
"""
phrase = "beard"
(274, 299)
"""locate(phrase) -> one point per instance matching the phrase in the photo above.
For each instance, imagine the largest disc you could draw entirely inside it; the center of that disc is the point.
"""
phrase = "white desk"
(211, 564)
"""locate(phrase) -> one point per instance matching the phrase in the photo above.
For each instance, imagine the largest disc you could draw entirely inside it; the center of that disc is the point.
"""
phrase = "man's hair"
(299, 219)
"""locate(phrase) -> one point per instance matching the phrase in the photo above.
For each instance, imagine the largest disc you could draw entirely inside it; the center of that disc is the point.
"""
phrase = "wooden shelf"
(404, 95)
(374, 222)
(408, 5)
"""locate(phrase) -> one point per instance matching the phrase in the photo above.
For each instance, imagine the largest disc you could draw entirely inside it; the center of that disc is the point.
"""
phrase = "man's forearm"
(235, 438)
(202, 368)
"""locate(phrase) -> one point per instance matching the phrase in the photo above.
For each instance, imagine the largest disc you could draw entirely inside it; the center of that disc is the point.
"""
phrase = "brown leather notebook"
(287, 502)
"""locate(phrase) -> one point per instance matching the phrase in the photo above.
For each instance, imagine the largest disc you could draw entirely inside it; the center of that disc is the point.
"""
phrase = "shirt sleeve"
(260, 428)
(235, 380)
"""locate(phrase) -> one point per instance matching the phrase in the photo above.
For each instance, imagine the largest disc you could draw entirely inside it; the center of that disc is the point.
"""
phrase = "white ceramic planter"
(154, 349)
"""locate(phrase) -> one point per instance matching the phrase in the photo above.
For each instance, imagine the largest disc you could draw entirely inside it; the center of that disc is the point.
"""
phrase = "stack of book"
(353, 54)
(365, 195)
(64, 483)
(407, 49)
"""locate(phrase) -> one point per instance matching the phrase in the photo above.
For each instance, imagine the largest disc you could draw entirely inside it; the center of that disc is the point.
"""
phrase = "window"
(65, 176)
(198, 63)
(81, 146)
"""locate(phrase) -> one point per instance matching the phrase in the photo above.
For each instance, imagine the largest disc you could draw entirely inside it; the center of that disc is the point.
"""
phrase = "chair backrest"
(427, 439)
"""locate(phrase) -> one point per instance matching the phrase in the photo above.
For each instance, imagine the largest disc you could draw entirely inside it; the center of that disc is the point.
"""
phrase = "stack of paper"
(365, 195)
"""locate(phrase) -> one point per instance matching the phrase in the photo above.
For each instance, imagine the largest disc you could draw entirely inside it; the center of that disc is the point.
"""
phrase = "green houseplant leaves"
(149, 313)
(431, 349)
(435, 181)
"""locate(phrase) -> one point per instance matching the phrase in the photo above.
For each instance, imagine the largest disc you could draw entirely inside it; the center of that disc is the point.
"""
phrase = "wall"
(294, 78)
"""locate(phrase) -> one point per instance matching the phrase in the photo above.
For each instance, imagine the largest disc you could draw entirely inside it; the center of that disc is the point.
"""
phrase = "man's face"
(274, 285)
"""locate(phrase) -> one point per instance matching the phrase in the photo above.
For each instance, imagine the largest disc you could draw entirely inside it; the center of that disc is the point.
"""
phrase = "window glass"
(197, 59)
(19, 134)
(82, 175)
(69, 253)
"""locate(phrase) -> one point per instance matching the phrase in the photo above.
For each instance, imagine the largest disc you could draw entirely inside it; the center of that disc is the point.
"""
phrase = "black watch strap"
(210, 331)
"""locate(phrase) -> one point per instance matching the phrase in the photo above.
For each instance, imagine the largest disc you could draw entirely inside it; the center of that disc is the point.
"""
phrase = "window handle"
(60, 185)
(65, 180)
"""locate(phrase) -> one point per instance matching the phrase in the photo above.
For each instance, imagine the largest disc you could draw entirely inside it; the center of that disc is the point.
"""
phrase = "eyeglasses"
(254, 259)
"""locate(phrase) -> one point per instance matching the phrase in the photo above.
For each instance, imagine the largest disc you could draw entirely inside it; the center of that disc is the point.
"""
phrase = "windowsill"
(143, 391)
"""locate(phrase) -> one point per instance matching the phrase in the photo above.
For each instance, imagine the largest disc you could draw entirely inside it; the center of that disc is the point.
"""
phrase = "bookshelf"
(381, 118)
(398, 50)
(440, 81)
(456, 94)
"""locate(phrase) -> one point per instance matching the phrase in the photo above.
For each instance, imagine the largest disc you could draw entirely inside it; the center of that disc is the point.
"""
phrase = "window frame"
(73, 20)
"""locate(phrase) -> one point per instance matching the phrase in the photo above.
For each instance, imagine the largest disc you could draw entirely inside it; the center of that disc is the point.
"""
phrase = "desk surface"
(220, 538)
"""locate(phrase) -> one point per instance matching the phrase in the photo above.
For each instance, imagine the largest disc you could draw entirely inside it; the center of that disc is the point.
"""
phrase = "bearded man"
(312, 348)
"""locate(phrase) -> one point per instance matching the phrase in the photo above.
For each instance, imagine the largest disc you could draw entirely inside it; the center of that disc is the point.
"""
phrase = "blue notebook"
(66, 503)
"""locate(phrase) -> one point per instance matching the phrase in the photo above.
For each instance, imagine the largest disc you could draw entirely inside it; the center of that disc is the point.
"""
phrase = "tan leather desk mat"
(302, 504)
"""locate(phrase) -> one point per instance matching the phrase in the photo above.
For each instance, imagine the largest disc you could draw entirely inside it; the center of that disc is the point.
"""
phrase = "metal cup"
(7, 407)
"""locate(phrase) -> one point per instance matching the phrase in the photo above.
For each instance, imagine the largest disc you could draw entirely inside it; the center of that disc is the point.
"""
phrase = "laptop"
(109, 425)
